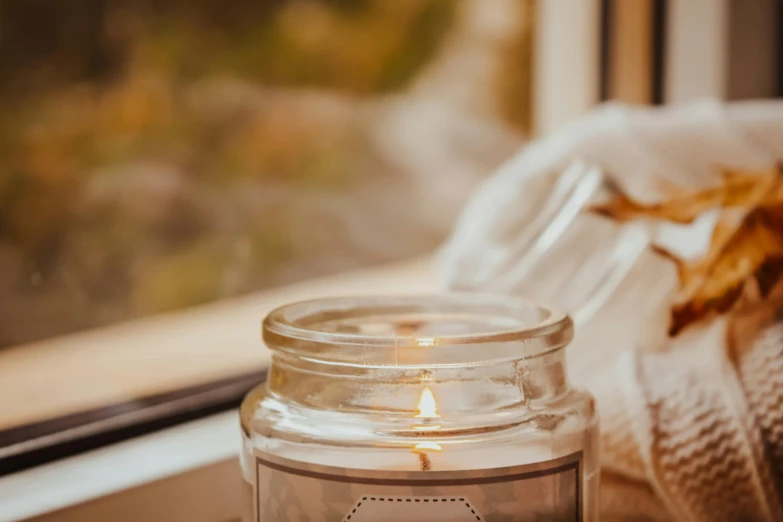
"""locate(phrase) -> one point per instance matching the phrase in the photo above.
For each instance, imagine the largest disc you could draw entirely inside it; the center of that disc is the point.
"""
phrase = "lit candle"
(475, 391)
(428, 409)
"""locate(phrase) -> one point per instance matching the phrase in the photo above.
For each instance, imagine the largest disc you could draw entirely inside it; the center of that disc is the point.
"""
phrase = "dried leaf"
(746, 245)
(754, 251)
(737, 189)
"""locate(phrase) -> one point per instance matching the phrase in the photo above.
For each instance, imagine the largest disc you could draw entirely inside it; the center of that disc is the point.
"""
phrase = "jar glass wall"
(456, 386)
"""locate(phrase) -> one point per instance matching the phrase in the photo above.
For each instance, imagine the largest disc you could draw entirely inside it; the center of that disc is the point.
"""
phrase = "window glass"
(161, 154)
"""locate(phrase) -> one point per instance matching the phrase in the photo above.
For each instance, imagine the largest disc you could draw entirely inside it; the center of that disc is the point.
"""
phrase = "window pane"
(161, 154)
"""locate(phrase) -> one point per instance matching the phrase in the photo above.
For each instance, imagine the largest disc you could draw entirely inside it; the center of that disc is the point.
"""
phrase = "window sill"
(187, 472)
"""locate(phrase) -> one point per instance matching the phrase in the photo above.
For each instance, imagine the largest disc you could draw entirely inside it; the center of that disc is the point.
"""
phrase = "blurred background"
(160, 154)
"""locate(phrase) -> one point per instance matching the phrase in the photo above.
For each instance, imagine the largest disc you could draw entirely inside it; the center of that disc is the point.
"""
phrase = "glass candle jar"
(427, 408)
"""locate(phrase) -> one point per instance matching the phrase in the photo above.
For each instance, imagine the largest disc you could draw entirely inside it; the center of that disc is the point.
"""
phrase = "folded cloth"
(697, 432)
(706, 426)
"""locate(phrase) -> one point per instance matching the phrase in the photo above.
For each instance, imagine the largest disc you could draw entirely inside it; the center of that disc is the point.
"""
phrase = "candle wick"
(424, 461)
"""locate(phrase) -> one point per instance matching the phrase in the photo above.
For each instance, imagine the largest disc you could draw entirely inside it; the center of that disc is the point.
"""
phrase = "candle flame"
(428, 407)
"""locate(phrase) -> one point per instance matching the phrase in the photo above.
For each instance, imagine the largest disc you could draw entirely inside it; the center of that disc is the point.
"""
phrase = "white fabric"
(688, 427)
(686, 146)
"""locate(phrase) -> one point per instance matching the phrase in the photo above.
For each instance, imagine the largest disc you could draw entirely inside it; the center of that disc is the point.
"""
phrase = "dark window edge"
(42, 442)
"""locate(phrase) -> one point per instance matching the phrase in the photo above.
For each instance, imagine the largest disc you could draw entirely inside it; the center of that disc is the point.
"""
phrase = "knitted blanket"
(692, 428)
(700, 429)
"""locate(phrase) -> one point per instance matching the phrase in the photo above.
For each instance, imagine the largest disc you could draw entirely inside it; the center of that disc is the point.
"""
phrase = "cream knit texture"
(691, 428)
(702, 435)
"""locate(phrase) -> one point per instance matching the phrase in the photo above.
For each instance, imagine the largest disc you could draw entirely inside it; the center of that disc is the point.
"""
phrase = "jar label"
(293, 491)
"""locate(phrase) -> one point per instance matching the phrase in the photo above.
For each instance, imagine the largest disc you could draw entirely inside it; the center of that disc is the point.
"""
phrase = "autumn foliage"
(745, 257)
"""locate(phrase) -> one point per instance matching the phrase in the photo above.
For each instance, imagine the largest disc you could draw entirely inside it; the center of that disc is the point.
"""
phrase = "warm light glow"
(427, 446)
(428, 408)
(425, 342)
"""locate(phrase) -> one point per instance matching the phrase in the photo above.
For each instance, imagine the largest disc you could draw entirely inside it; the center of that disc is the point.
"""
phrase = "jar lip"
(514, 328)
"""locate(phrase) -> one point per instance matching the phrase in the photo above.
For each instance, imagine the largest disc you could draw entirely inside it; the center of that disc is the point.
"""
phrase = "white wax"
(451, 458)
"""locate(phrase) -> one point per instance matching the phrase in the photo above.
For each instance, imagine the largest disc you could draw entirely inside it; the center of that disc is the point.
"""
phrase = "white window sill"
(185, 473)
(188, 472)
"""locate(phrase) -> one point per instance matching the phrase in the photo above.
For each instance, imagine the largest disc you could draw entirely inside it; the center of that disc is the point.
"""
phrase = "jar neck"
(397, 391)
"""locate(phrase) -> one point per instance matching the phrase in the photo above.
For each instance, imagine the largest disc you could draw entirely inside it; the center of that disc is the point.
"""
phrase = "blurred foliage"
(358, 46)
(140, 138)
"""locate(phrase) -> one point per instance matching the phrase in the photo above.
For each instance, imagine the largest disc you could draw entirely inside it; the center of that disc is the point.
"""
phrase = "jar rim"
(504, 327)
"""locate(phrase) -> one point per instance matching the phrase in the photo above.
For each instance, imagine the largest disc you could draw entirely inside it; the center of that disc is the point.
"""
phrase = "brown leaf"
(737, 189)
(714, 283)
(768, 275)
(746, 244)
